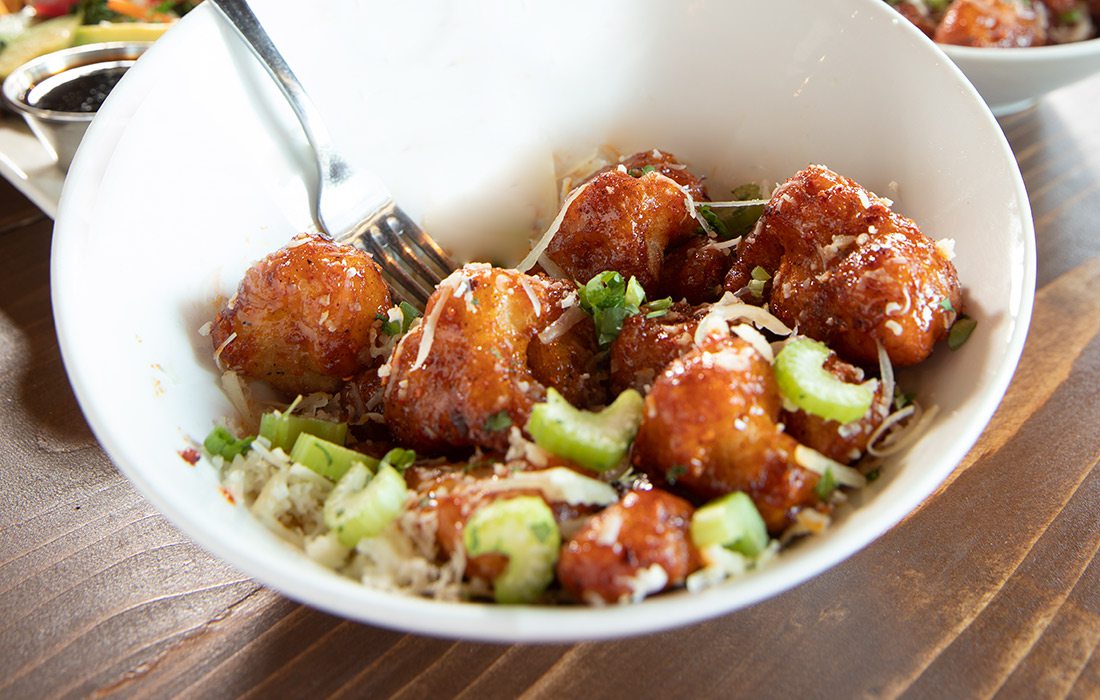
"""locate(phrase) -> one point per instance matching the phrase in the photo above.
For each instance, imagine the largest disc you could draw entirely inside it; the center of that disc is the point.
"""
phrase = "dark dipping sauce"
(83, 94)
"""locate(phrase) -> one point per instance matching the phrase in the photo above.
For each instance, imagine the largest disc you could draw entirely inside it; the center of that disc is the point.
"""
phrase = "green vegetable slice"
(327, 458)
(39, 39)
(807, 384)
(523, 529)
(596, 441)
(283, 429)
(731, 521)
(960, 332)
(361, 505)
(222, 442)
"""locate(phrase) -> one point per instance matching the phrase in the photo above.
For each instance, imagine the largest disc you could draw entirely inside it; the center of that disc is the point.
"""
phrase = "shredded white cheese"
(572, 316)
(818, 463)
(528, 262)
(754, 338)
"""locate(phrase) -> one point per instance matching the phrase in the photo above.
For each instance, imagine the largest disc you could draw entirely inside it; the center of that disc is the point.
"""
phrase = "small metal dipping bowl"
(61, 131)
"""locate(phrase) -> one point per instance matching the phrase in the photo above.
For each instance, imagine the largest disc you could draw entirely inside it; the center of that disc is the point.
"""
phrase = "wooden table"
(993, 586)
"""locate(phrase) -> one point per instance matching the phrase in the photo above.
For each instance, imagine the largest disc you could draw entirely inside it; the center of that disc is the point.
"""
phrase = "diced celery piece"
(283, 429)
(731, 521)
(361, 505)
(523, 529)
(327, 458)
(596, 441)
(803, 380)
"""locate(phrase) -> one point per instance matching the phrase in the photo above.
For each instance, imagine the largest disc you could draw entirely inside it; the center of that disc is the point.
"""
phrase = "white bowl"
(194, 169)
(1011, 80)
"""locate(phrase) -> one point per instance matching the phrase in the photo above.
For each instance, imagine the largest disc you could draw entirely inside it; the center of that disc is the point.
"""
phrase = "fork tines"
(412, 263)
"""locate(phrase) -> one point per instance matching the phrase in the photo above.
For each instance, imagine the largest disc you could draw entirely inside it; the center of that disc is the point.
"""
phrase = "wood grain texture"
(992, 588)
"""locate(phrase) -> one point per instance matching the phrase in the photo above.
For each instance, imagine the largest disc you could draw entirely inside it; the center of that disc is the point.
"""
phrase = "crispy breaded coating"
(463, 376)
(710, 429)
(848, 271)
(623, 223)
(303, 317)
(613, 557)
(646, 346)
(693, 270)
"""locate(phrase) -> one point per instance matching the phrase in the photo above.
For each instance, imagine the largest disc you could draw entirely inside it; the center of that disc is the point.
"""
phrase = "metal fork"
(352, 206)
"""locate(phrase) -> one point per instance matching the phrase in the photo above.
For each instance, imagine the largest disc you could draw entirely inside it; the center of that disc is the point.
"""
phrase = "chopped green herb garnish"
(222, 442)
(960, 332)
(825, 484)
(498, 421)
(1070, 16)
(611, 300)
(674, 473)
(945, 304)
(407, 313)
(658, 307)
(760, 278)
(741, 220)
(873, 474)
(901, 398)
(638, 172)
(714, 222)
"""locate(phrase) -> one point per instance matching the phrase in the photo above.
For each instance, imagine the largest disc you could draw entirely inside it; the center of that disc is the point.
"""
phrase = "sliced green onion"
(803, 380)
(596, 441)
(498, 421)
(826, 483)
(523, 529)
(399, 458)
(658, 307)
(960, 332)
(222, 442)
(362, 505)
(283, 429)
(327, 458)
(731, 521)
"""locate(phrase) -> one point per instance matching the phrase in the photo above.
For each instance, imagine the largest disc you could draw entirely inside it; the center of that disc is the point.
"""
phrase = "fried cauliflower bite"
(639, 546)
(842, 442)
(709, 429)
(303, 318)
(850, 272)
(693, 270)
(454, 492)
(464, 375)
(667, 165)
(646, 346)
(993, 23)
(623, 223)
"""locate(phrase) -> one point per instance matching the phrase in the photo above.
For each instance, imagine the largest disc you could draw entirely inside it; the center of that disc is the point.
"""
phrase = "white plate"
(194, 169)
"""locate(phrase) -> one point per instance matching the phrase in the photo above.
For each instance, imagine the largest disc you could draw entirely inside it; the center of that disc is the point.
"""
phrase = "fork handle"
(331, 166)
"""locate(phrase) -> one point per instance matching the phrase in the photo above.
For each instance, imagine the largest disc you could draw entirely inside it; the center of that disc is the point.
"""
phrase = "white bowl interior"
(194, 169)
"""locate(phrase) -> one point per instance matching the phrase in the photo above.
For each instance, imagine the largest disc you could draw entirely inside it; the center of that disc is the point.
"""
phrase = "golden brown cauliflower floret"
(709, 429)
(848, 271)
(667, 165)
(693, 270)
(646, 346)
(463, 376)
(993, 23)
(623, 223)
(639, 546)
(303, 318)
(846, 442)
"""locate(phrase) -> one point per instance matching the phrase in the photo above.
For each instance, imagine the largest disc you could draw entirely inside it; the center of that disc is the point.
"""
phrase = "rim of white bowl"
(1074, 49)
(479, 621)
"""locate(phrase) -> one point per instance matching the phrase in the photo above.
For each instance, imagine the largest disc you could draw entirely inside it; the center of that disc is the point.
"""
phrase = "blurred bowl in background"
(58, 94)
(1011, 80)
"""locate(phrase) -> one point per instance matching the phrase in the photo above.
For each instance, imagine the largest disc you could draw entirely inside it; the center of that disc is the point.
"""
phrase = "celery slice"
(361, 505)
(283, 429)
(523, 529)
(731, 521)
(596, 441)
(327, 458)
(805, 382)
